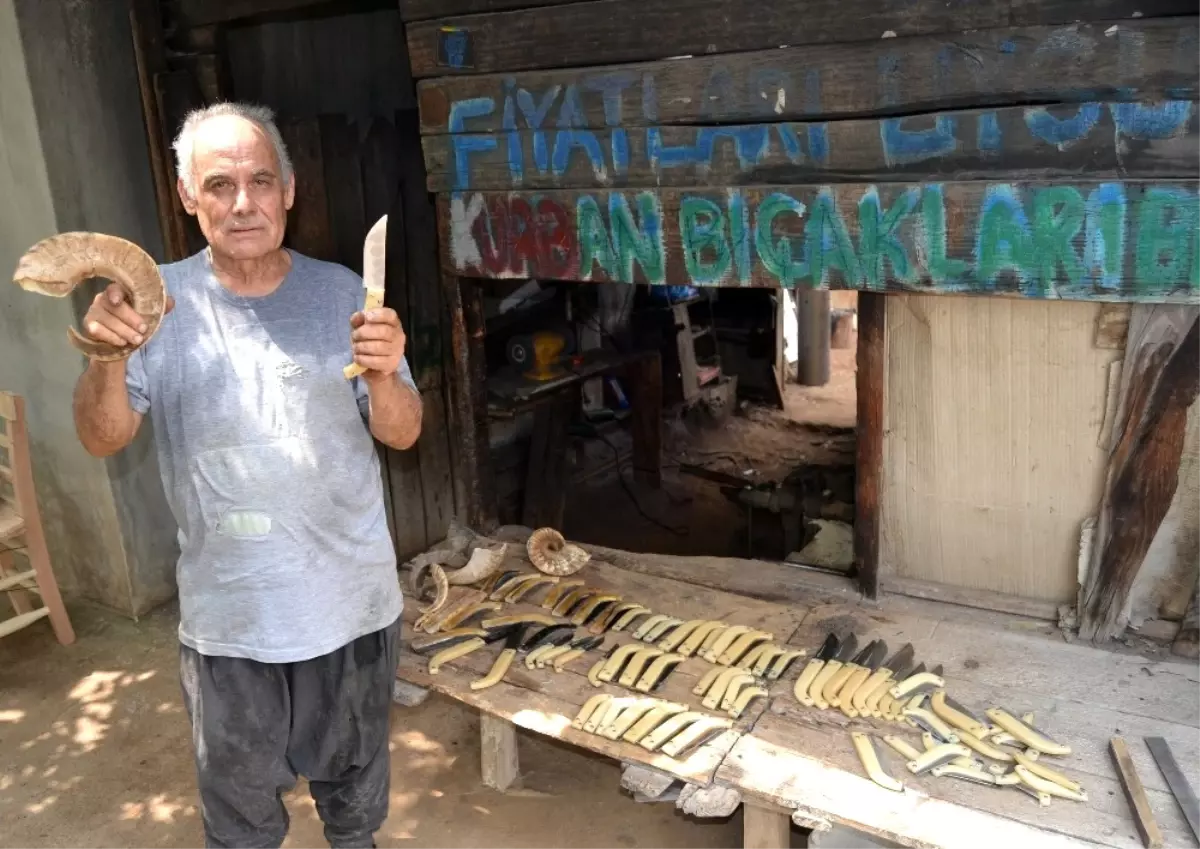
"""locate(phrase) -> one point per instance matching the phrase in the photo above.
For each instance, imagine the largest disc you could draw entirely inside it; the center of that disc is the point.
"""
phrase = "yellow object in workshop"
(547, 349)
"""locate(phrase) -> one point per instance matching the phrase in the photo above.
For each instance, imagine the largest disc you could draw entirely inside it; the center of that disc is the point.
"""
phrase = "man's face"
(240, 200)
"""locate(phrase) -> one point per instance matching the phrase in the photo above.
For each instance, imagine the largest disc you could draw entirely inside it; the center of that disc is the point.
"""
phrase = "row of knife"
(999, 750)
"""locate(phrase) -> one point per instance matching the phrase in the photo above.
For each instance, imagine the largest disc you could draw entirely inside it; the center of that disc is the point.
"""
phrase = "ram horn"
(483, 562)
(57, 264)
(549, 552)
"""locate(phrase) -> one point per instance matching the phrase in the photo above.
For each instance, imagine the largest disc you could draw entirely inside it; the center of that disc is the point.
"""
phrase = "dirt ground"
(95, 751)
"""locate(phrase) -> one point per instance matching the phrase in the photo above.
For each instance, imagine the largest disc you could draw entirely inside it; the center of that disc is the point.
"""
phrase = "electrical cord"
(595, 434)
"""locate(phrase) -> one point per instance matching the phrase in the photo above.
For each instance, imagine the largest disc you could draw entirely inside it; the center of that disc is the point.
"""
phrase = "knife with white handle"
(374, 265)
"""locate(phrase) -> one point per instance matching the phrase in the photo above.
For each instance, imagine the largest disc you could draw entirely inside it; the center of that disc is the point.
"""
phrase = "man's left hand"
(377, 340)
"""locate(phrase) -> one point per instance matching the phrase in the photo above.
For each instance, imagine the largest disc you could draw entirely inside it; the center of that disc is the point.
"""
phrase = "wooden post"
(474, 495)
(1160, 379)
(872, 376)
(812, 336)
(765, 828)
(646, 395)
(1187, 641)
(497, 752)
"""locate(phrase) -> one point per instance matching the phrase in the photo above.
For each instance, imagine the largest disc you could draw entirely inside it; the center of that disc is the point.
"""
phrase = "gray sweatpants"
(256, 726)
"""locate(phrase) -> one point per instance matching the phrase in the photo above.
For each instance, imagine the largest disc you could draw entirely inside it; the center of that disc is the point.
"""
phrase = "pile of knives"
(999, 750)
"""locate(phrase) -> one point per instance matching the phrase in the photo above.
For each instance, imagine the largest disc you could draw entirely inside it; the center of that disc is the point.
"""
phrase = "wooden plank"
(871, 359)
(789, 750)
(1013, 143)
(1187, 642)
(547, 470)
(635, 30)
(765, 828)
(1023, 240)
(420, 10)
(1148, 60)
(498, 752)
(970, 596)
(808, 783)
(194, 13)
(1159, 381)
(341, 155)
(1136, 794)
(309, 229)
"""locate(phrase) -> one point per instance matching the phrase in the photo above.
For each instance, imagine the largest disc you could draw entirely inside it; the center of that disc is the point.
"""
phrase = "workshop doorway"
(753, 463)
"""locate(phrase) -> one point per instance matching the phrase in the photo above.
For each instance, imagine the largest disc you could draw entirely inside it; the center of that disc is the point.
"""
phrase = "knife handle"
(833, 687)
(800, 688)
(372, 300)
(817, 690)
(849, 696)
(874, 690)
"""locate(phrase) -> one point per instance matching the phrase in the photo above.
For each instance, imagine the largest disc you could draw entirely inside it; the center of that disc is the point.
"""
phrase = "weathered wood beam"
(994, 238)
(1160, 380)
(420, 10)
(868, 463)
(1126, 61)
(606, 31)
(195, 13)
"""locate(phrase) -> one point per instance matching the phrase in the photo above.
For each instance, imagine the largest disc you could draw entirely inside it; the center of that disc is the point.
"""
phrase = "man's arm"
(395, 410)
(377, 341)
(104, 420)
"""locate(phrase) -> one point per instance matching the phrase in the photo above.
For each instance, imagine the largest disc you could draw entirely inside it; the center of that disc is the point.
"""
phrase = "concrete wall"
(73, 156)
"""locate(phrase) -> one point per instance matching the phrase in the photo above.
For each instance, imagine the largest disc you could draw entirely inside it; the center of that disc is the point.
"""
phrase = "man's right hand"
(112, 319)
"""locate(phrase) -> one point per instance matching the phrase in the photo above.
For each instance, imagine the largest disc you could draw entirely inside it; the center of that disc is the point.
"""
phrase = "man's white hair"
(185, 142)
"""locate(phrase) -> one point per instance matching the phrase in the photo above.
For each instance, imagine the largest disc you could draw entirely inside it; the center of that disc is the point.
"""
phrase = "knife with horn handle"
(913, 685)
(374, 266)
(833, 686)
(887, 703)
(811, 669)
(870, 761)
(1031, 737)
(845, 653)
(783, 663)
(852, 695)
(951, 715)
(873, 687)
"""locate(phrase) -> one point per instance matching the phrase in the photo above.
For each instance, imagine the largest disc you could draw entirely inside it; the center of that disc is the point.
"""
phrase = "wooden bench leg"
(765, 828)
(497, 751)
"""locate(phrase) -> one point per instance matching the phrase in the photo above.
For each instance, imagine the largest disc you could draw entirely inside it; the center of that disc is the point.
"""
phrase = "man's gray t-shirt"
(268, 463)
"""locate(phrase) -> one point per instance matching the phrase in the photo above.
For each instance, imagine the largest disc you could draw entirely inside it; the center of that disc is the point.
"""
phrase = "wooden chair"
(21, 530)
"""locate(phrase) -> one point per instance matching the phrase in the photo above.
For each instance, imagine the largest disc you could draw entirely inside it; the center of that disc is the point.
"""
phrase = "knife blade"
(860, 668)
(833, 687)
(845, 652)
(811, 669)
(374, 266)
(865, 698)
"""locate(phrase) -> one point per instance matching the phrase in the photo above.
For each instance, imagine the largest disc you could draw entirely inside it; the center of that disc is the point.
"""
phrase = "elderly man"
(289, 599)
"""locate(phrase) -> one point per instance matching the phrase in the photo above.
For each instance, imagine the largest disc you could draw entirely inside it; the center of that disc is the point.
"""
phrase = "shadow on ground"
(95, 751)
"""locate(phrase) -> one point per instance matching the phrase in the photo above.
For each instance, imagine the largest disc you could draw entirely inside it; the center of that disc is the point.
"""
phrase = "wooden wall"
(1033, 151)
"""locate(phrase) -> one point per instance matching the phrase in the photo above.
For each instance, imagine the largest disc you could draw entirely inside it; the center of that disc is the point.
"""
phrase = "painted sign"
(1093, 136)
(1112, 241)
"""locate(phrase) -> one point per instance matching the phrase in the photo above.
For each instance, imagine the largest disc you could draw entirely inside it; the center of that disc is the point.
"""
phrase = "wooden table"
(788, 763)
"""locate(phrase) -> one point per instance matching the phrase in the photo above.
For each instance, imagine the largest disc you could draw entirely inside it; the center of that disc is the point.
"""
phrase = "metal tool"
(1180, 788)
(837, 683)
(866, 698)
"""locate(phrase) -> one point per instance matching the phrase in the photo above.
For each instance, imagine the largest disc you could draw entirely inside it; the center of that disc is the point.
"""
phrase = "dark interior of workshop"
(754, 462)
